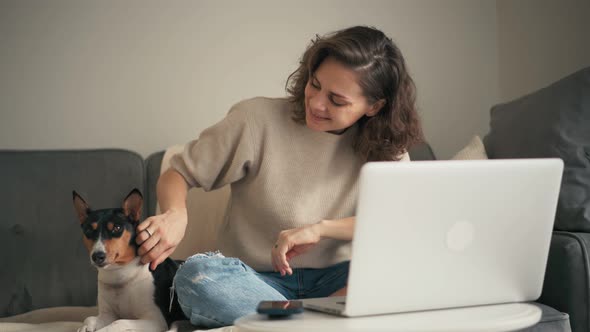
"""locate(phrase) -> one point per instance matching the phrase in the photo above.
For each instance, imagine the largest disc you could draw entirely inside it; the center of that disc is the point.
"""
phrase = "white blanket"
(69, 319)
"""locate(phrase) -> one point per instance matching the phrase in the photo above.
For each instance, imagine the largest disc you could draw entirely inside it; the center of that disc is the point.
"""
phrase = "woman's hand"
(158, 236)
(291, 243)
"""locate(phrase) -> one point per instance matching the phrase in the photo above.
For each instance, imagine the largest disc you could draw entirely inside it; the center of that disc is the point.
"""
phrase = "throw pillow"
(551, 122)
(474, 150)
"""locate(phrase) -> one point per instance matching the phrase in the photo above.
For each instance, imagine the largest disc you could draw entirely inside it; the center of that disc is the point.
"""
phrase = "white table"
(500, 317)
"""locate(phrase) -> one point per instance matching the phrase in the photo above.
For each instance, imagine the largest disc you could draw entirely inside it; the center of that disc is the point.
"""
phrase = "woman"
(293, 166)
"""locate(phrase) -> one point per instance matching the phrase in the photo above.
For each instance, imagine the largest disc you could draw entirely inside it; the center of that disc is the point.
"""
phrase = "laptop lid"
(443, 234)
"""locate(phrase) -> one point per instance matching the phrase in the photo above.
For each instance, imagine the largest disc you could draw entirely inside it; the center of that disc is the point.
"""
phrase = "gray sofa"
(44, 263)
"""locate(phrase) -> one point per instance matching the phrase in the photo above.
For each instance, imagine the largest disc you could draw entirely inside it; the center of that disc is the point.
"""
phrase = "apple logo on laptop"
(460, 236)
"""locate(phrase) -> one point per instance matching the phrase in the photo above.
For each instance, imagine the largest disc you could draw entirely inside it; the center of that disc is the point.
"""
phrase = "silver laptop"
(446, 234)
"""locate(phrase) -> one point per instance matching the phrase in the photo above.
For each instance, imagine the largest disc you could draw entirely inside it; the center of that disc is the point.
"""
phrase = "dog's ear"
(80, 206)
(132, 204)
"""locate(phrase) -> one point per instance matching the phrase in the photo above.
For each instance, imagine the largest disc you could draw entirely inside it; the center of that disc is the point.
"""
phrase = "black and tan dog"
(130, 296)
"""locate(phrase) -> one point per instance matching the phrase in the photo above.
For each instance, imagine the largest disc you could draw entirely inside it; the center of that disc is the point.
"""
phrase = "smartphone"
(280, 308)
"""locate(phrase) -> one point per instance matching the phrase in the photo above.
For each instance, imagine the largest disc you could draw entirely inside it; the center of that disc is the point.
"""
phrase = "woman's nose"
(317, 103)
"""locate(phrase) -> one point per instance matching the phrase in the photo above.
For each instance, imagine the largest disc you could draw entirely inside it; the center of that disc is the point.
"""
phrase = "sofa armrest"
(152, 165)
(421, 151)
(567, 278)
(44, 261)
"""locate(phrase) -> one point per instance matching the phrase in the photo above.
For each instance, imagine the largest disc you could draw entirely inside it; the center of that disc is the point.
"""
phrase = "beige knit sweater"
(282, 174)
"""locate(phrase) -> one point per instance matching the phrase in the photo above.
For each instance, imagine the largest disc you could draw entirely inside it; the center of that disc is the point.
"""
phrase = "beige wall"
(540, 41)
(143, 75)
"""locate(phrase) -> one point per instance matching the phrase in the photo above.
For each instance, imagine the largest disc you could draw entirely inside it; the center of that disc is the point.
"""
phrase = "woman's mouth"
(317, 118)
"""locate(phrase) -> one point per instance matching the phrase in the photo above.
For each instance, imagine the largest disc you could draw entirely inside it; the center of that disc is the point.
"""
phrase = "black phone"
(280, 308)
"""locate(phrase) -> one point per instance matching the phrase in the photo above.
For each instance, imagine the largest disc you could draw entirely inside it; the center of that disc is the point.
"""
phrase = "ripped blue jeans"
(214, 290)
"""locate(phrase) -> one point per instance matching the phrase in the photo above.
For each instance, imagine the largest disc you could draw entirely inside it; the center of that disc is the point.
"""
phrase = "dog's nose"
(99, 257)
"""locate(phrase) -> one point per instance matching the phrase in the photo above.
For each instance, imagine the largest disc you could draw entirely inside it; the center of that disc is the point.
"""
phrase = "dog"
(130, 295)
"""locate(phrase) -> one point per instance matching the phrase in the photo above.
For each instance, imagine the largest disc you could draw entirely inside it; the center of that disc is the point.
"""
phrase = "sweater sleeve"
(222, 154)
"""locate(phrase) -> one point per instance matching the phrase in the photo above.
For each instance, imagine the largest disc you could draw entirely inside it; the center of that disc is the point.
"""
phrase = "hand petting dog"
(158, 236)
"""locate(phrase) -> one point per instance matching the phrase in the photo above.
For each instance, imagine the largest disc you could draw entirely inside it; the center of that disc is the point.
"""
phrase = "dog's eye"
(88, 231)
(117, 228)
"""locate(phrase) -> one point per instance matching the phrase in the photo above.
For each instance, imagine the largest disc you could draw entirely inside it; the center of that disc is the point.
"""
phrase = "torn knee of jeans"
(208, 254)
(200, 277)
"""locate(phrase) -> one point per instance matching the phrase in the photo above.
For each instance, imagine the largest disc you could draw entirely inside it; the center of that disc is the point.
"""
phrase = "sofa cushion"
(474, 150)
(44, 262)
(551, 122)
(421, 151)
(567, 278)
(152, 167)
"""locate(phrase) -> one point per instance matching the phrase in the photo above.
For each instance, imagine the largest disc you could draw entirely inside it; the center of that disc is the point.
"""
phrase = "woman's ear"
(376, 107)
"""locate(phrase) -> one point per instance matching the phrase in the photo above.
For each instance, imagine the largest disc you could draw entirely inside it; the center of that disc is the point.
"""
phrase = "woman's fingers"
(275, 262)
(291, 243)
(279, 259)
(285, 242)
(144, 224)
(155, 252)
(141, 232)
(158, 236)
(152, 245)
(154, 264)
(282, 251)
(275, 266)
(147, 246)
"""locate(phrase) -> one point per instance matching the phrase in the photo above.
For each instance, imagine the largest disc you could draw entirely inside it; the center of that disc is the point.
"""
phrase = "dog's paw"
(89, 324)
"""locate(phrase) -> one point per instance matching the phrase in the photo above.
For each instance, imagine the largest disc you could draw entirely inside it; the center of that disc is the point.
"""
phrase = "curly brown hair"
(382, 75)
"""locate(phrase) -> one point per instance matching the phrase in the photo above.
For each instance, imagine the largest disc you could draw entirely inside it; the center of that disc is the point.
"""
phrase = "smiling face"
(334, 100)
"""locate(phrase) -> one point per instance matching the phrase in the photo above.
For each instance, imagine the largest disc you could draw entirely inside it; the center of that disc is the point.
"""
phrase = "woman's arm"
(166, 230)
(171, 190)
(339, 229)
(296, 241)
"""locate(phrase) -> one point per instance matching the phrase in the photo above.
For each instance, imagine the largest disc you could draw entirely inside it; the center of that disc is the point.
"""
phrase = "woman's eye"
(335, 103)
(313, 84)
